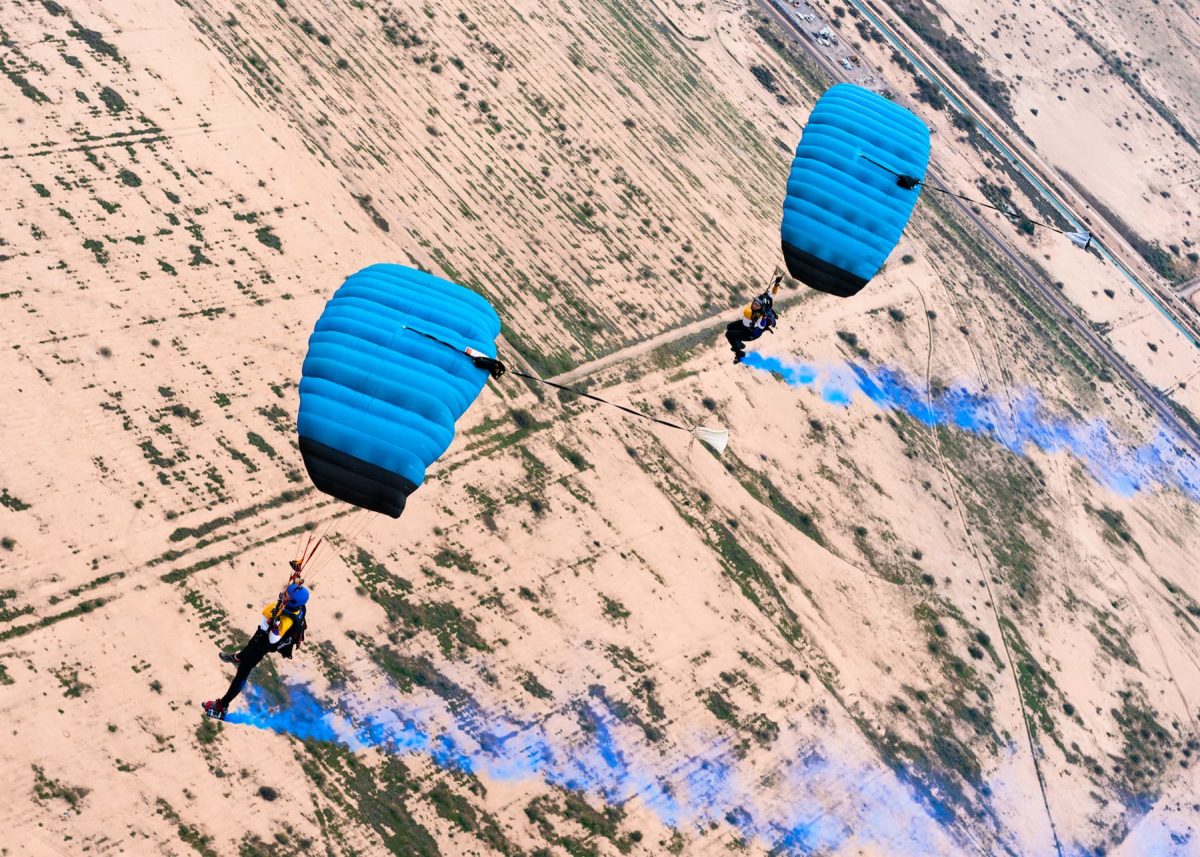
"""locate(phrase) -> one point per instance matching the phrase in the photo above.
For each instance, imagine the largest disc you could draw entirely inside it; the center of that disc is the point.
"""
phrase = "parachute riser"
(295, 578)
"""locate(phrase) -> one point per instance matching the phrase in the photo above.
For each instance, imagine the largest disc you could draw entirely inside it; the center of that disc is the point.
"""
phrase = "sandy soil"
(845, 635)
(1086, 132)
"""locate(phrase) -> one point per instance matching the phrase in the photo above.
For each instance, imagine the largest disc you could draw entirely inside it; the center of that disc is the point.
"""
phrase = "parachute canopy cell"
(380, 390)
(846, 206)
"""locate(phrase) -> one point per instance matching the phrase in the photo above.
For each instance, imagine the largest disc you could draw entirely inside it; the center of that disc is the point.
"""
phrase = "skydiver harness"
(765, 313)
(294, 635)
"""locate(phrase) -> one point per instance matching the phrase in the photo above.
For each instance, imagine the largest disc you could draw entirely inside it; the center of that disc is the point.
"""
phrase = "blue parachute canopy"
(386, 378)
(846, 206)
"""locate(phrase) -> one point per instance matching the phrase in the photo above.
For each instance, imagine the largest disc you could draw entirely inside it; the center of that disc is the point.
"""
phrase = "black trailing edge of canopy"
(819, 274)
(356, 481)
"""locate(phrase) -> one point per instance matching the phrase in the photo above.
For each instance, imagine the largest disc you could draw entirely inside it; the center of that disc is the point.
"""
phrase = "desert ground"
(938, 596)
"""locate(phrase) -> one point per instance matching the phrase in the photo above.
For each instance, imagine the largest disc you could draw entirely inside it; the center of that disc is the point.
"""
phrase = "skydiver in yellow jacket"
(758, 316)
(280, 629)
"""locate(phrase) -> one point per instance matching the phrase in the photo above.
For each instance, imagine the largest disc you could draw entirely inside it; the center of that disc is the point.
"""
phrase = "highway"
(1046, 290)
(1008, 148)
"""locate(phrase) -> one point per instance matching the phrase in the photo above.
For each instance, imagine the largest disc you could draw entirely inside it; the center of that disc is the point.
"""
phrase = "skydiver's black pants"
(738, 334)
(247, 659)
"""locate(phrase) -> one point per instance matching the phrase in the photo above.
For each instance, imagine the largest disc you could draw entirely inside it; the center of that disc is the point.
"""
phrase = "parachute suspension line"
(1012, 667)
(357, 521)
(1080, 239)
(355, 526)
(307, 547)
(305, 539)
(309, 554)
(716, 438)
(317, 544)
(303, 544)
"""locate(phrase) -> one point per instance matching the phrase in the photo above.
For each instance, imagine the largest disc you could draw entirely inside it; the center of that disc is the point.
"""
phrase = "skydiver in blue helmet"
(757, 318)
(280, 629)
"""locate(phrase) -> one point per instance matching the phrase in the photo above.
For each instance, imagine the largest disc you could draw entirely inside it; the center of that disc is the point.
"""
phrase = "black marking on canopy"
(819, 274)
(356, 481)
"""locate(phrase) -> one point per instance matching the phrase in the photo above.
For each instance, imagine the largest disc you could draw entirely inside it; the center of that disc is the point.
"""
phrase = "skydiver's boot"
(228, 657)
(215, 708)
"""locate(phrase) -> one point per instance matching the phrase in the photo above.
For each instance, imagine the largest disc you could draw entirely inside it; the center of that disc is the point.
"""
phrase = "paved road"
(1022, 158)
(1150, 397)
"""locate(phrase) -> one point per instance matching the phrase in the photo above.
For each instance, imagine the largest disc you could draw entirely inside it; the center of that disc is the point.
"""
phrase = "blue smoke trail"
(804, 811)
(815, 802)
(1018, 424)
